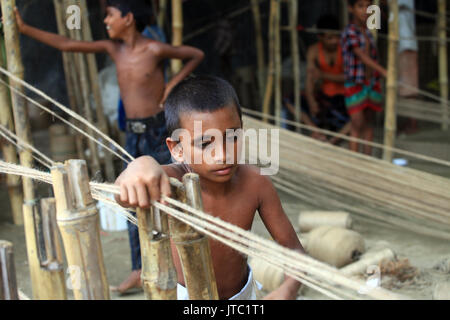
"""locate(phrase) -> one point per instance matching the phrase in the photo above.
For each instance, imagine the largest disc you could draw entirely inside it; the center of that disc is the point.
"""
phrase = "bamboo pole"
(193, 247)
(177, 32)
(8, 281)
(159, 276)
(391, 84)
(259, 47)
(278, 63)
(443, 64)
(95, 87)
(270, 69)
(69, 73)
(344, 12)
(162, 13)
(293, 21)
(9, 151)
(79, 224)
(375, 31)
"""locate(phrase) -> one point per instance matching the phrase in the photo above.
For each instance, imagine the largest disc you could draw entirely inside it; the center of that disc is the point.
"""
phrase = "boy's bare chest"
(138, 67)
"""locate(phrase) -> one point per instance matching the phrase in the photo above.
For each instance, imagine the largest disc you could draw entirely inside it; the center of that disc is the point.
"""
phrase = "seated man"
(325, 81)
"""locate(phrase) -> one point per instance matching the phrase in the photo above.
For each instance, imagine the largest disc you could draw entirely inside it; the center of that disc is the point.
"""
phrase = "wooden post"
(391, 84)
(162, 13)
(375, 31)
(278, 63)
(8, 282)
(44, 253)
(159, 276)
(72, 85)
(177, 32)
(295, 54)
(9, 151)
(271, 68)
(95, 87)
(443, 64)
(259, 47)
(193, 247)
(79, 224)
(344, 12)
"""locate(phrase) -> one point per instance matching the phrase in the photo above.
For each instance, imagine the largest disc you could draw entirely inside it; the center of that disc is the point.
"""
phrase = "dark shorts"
(333, 114)
(151, 142)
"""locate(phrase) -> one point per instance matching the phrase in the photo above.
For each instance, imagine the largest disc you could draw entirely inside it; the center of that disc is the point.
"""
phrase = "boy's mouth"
(108, 27)
(223, 171)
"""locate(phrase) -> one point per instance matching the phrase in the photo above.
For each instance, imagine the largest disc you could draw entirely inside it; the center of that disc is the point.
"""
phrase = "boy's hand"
(282, 293)
(20, 24)
(144, 180)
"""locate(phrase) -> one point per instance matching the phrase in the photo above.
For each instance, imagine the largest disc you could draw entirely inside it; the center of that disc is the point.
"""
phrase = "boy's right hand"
(20, 24)
(143, 181)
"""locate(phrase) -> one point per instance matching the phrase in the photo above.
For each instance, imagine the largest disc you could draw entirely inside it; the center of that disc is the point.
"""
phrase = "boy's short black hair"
(327, 22)
(141, 10)
(201, 94)
(353, 2)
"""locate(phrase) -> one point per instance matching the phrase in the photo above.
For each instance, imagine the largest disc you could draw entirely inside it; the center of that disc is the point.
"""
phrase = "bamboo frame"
(443, 64)
(390, 123)
(177, 33)
(8, 281)
(159, 276)
(259, 47)
(9, 151)
(271, 67)
(162, 13)
(278, 62)
(193, 248)
(79, 224)
(95, 87)
(295, 54)
(69, 73)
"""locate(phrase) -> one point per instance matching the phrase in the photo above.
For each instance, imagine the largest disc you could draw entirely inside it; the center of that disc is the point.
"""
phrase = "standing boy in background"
(362, 75)
(139, 62)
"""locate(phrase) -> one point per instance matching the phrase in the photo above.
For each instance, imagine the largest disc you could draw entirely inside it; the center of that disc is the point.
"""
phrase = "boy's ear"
(129, 18)
(176, 149)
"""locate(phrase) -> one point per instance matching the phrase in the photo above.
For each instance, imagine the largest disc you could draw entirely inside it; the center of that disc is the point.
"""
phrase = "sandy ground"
(423, 253)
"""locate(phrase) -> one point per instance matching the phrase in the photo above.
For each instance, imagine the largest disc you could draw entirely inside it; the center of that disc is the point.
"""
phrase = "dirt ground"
(425, 254)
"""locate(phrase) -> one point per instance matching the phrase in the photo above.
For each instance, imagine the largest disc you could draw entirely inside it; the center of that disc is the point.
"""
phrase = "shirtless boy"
(233, 192)
(140, 74)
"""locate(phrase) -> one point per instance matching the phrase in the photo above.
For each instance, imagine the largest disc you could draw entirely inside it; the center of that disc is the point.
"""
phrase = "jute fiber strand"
(404, 197)
(335, 246)
(368, 259)
(309, 271)
(308, 220)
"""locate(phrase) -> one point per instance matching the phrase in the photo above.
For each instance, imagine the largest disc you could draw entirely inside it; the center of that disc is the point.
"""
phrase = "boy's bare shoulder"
(251, 176)
(156, 47)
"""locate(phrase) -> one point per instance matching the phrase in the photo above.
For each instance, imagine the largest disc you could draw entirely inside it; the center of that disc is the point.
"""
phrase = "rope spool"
(62, 144)
(335, 246)
(309, 220)
(269, 276)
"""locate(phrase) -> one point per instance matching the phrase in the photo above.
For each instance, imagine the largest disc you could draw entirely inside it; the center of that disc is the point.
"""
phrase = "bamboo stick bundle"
(78, 222)
(159, 276)
(8, 281)
(95, 88)
(278, 62)
(81, 70)
(443, 63)
(390, 125)
(293, 21)
(72, 85)
(177, 32)
(271, 67)
(9, 151)
(193, 248)
(259, 47)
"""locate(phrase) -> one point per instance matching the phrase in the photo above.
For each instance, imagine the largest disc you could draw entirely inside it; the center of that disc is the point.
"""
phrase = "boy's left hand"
(281, 293)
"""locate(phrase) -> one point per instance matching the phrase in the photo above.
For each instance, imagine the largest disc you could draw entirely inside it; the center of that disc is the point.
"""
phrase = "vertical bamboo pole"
(69, 72)
(270, 70)
(344, 12)
(193, 247)
(8, 282)
(9, 151)
(259, 47)
(95, 87)
(162, 13)
(295, 53)
(278, 63)
(443, 64)
(159, 276)
(375, 31)
(391, 84)
(79, 224)
(177, 32)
